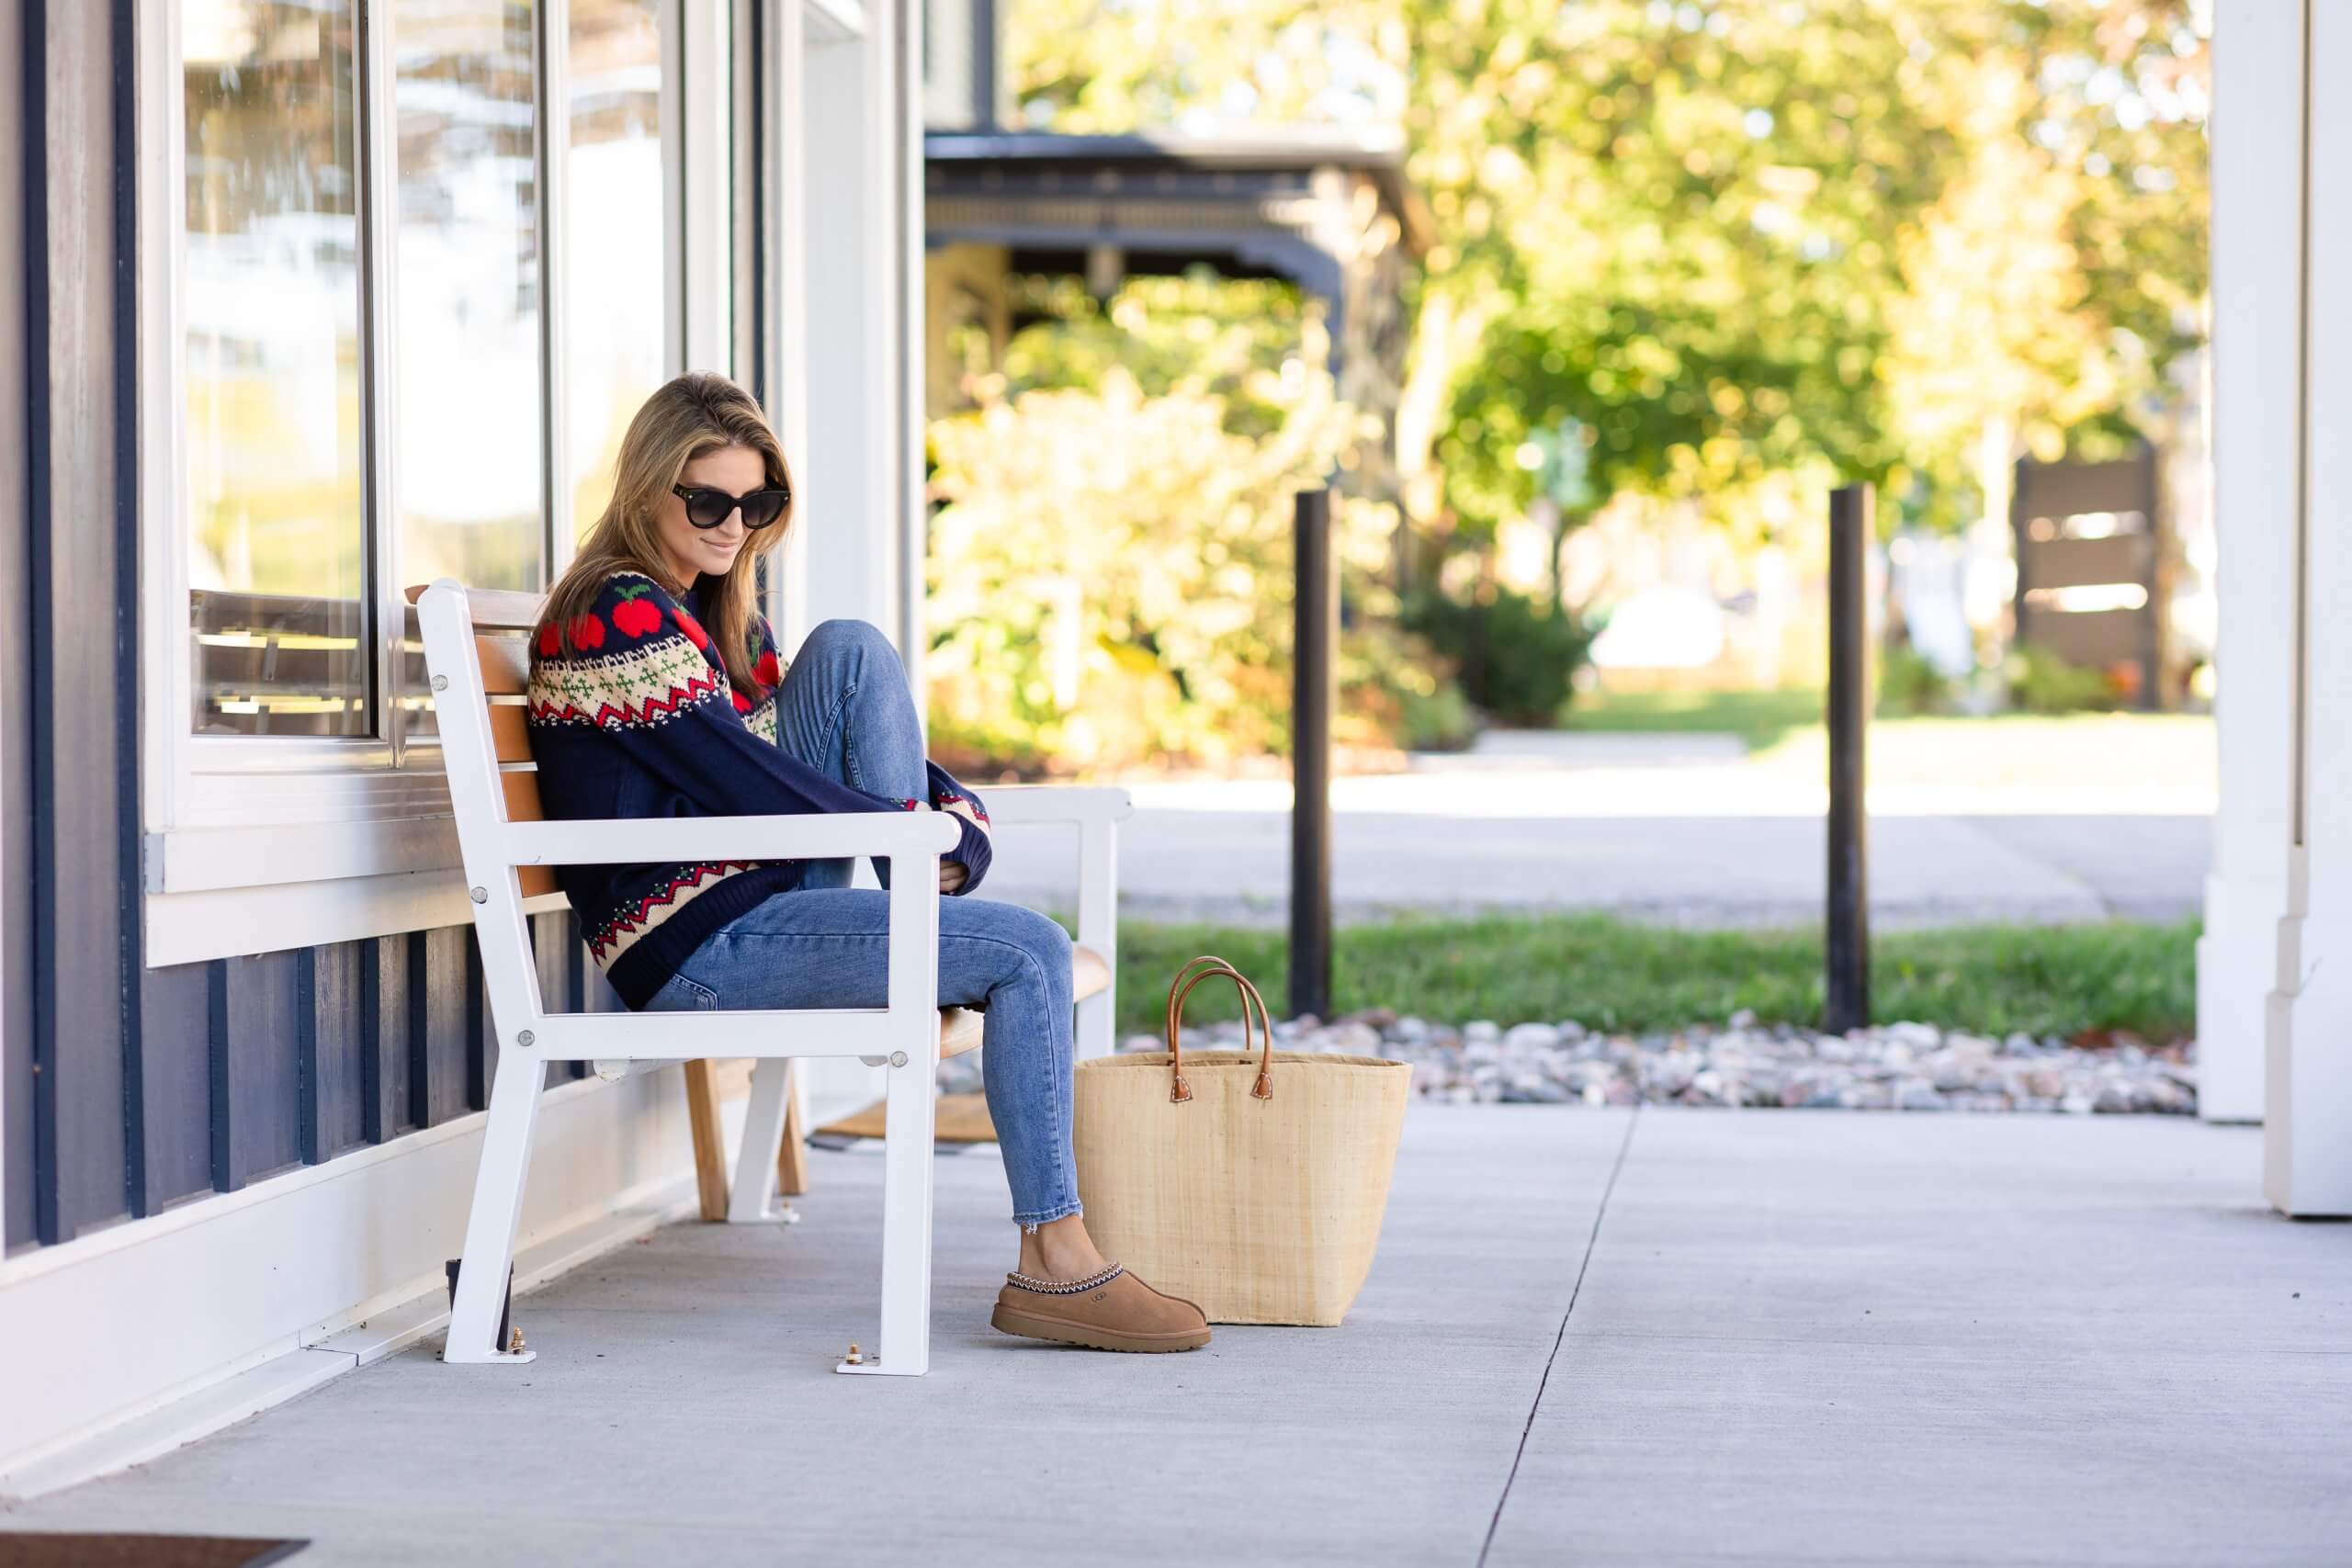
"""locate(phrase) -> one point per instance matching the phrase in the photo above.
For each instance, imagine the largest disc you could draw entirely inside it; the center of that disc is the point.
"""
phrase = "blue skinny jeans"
(844, 708)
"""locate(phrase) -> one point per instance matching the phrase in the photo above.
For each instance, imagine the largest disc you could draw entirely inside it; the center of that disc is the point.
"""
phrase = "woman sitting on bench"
(656, 691)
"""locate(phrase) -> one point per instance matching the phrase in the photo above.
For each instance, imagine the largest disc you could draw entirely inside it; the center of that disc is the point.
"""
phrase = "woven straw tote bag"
(1254, 1185)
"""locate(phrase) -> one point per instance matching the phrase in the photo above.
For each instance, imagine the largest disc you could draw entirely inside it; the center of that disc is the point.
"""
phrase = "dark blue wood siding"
(339, 1040)
(258, 1025)
(258, 1065)
(448, 1010)
(79, 593)
(175, 1048)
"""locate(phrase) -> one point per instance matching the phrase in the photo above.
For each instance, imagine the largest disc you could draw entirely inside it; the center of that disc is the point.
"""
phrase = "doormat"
(962, 1119)
(19, 1550)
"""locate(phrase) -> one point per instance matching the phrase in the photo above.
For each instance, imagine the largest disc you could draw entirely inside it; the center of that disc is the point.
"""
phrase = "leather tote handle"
(1181, 986)
(1191, 974)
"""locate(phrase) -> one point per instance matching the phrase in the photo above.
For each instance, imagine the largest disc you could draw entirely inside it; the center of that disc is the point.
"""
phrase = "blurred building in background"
(1324, 207)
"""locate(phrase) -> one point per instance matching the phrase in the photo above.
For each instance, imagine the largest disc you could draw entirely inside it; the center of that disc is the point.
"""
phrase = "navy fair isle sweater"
(632, 714)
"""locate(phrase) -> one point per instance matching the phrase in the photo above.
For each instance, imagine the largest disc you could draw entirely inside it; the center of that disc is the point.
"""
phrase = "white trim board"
(291, 1373)
(232, 922)
(187, 1308)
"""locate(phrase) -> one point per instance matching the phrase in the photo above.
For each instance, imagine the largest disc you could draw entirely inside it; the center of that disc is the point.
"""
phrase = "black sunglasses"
(707, 508)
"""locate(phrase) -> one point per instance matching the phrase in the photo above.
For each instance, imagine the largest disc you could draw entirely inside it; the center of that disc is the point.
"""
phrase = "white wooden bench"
(477, 654)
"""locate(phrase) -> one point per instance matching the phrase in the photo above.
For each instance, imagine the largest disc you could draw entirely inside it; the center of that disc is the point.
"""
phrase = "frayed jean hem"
(1047, 1217)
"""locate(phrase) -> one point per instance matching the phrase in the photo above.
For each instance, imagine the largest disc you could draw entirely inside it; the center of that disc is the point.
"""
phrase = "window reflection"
(275, 565)
(469, 442)
(614, 295)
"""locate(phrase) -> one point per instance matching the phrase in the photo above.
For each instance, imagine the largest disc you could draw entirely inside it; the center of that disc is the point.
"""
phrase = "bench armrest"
(811, 835)
(1055, 803)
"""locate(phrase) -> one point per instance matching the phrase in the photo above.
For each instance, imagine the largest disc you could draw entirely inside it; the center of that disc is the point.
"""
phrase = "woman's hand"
(952, 873)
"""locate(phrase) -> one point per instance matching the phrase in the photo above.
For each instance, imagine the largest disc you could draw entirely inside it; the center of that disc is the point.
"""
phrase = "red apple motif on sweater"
(550, 641)
(636, 616)
(588, 631)
(742, 703)
(767, 670)
(687, 623)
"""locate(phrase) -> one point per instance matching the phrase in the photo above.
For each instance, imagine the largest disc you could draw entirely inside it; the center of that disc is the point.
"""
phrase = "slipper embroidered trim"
(1064, 1287)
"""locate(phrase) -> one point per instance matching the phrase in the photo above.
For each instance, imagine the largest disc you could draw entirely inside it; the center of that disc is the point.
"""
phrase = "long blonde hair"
(695, 414)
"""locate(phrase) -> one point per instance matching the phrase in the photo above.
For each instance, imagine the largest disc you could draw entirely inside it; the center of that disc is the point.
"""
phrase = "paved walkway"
(1601, 1338)
(1687, 828)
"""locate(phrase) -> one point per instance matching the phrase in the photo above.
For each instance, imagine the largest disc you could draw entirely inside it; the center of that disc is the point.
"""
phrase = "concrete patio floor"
(1591, 1337)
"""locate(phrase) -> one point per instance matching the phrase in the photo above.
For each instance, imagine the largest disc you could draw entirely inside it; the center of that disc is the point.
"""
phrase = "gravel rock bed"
(1894, 1066)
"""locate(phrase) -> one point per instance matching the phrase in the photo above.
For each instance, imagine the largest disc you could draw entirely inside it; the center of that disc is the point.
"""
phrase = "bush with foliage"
(1517, 654)
(1111, 570)
(1909, 684)
(1395, 690)
(1111, 581)
(2040, 681)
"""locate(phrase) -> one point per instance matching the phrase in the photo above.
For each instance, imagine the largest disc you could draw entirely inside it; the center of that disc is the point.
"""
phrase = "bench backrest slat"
(510, 731)
(477, 644)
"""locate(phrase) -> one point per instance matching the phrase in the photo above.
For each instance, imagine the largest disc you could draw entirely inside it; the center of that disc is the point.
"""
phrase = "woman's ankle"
(1059, 1249)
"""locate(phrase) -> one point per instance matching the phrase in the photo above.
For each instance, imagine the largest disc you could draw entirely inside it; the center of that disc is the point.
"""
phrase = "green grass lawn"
(1757, 717)
(1621, 977)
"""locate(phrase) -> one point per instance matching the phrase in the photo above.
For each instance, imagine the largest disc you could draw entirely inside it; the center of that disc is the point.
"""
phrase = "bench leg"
(497, 1208)
(709, 1140)
(1098, 928)
(908, 1120)
(792, 1159)
(754, 1201)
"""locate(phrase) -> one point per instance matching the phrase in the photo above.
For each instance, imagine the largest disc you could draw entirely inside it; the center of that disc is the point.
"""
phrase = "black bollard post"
(1847, 1000)
(1313, 660)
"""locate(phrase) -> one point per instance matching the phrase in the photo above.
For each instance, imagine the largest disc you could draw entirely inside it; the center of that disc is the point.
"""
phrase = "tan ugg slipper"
(1109, 1311)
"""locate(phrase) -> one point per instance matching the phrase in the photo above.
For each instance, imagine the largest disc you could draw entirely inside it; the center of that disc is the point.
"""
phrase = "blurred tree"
(1253, 344)
(1110, 567)
(1110, 574)
(1731, 238)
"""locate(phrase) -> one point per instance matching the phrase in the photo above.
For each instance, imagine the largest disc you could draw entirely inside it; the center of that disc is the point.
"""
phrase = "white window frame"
(255, 843)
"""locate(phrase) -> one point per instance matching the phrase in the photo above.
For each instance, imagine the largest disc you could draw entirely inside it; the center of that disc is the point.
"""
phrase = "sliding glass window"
(366, 292)
(276, 545)
(471, 433)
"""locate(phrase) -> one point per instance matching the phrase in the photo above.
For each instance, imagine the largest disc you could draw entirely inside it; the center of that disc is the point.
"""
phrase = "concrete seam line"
(1609, 1190)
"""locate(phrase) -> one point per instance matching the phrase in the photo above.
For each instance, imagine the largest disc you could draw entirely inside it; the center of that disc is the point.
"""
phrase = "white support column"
(853, 142)
(553, 123)
(787, 283)
(708, 132)
(905, 43)
(2258, 249)
(845, 324)
(2307, 1154)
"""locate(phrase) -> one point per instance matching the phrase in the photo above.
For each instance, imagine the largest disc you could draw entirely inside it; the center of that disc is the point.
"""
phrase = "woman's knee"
(844, 635)
(1039, 938)
(1049, 944)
